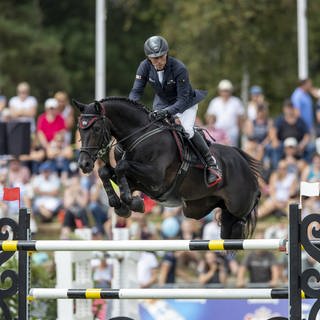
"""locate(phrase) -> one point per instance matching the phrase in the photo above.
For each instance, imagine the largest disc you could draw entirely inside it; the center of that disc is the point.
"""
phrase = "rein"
(87, 120)
(138, 140)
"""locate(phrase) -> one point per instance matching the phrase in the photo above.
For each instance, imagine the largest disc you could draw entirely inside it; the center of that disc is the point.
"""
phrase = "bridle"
(100, 150)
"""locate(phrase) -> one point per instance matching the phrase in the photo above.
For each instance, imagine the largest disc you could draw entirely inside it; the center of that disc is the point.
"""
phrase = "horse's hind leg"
(231, 226)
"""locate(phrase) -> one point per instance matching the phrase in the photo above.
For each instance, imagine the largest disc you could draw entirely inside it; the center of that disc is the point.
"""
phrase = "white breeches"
(188, 118)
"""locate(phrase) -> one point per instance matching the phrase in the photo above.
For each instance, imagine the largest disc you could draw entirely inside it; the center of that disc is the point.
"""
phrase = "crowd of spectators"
(288, 146)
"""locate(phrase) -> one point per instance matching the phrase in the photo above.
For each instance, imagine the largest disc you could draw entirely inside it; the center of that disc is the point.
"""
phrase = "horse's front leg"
(121, 209)
(134, 202)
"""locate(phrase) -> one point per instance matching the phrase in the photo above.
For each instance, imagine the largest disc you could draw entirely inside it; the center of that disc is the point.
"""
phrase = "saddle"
(189, 156)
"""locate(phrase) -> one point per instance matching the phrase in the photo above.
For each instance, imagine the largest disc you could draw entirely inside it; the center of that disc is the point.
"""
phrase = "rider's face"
(159, 62)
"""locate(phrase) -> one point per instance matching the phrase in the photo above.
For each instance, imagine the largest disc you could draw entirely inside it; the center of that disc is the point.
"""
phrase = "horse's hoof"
(123, 211)
(137, 204)
(114, 202)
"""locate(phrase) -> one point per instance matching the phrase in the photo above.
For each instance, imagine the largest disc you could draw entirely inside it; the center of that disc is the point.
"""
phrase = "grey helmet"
(156, 46)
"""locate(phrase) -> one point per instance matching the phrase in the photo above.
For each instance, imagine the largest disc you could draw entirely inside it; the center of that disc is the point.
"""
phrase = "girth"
(185, 156)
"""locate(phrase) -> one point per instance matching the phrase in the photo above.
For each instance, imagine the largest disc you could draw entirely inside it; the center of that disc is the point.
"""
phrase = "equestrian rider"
(174, 95)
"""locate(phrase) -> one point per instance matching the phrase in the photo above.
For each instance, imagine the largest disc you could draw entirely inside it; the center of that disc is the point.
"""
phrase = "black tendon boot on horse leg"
(120, 208)
(214, 175)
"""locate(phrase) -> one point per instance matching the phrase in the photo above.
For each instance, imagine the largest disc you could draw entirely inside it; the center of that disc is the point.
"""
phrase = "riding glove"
(159, 114)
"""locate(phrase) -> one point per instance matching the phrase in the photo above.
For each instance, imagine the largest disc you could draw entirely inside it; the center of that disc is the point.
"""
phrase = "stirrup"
(212, 171)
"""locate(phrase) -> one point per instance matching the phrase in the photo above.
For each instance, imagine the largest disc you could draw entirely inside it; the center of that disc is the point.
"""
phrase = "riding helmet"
(156, 46)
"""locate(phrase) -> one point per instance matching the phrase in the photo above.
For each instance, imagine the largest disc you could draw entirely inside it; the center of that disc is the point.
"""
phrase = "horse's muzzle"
(85, 163)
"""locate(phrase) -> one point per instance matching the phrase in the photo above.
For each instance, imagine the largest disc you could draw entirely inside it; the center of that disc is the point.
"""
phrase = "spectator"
(211, 269)
(66, 111)
(283, 187)
(102, 276)
(257, 134)
(18, 174)
(219, 135)
(312, 172)
(46, 188)
(103, 273)
(75, 200)
(302, 102)
(23, 107)
(99, 208)
(60, 154)
(19, 177)
(229, 111)
(256, 100)
(261, 266)
(49, 123)
(258, 129)
(36, 156)
(211, 230)
(289, 124)
(292, 156)
(170, 229)
(147, 266)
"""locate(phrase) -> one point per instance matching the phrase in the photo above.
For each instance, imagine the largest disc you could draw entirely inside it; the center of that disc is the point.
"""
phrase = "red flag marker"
(11, 194)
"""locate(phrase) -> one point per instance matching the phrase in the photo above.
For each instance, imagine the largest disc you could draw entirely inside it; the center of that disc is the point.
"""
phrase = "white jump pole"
(143, 245)
(186, 293)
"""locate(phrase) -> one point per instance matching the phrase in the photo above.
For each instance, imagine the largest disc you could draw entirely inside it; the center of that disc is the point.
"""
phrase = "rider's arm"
(140, 81)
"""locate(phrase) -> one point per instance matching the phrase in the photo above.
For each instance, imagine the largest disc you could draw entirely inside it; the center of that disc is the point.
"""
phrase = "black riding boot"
(214, 173)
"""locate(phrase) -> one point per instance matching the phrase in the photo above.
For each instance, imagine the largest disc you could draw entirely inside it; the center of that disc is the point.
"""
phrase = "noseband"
(85, 122)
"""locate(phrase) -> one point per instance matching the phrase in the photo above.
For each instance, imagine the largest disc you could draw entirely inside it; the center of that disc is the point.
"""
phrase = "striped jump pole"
(186, 293)
(143, 245)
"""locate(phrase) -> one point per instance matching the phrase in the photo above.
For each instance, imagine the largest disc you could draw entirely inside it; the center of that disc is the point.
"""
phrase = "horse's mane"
(130, 102)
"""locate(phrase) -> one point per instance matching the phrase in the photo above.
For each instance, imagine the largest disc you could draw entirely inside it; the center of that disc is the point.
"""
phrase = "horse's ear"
(97, 106)
(79, 105)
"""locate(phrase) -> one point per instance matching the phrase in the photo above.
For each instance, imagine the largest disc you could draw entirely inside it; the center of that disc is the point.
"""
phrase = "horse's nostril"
(84, 164)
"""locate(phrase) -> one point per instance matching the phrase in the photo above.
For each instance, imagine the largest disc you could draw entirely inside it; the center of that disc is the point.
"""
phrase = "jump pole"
(143, 245)
(185, 293)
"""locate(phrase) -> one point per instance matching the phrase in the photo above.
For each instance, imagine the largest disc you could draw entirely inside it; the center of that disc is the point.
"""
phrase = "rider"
(174, 95)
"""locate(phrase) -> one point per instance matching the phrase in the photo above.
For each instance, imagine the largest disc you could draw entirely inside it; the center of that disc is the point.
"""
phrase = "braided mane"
(132, 103)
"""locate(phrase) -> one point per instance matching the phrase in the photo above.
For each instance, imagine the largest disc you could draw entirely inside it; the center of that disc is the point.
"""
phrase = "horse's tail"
(254, 164)
(255, 167)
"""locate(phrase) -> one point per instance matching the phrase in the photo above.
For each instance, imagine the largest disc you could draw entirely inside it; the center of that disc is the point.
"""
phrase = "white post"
(124, 275)
(100, 79)
(302, 39)
(68, 262)
(63, 261)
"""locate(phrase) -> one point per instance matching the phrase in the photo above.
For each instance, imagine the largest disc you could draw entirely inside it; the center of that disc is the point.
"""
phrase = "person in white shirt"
(46, 187)
(23, 107)
(228, 110)
(147, 269)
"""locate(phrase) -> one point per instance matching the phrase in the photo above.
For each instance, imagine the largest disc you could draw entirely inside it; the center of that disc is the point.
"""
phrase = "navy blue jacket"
(175, 94)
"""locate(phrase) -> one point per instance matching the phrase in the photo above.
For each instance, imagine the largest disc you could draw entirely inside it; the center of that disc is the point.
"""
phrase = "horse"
(149, 159)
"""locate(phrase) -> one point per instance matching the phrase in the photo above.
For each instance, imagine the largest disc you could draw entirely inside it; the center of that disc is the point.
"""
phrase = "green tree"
(225, 39)
(27, 53)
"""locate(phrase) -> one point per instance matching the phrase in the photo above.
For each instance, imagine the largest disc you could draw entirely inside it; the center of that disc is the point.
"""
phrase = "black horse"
(151, 161)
